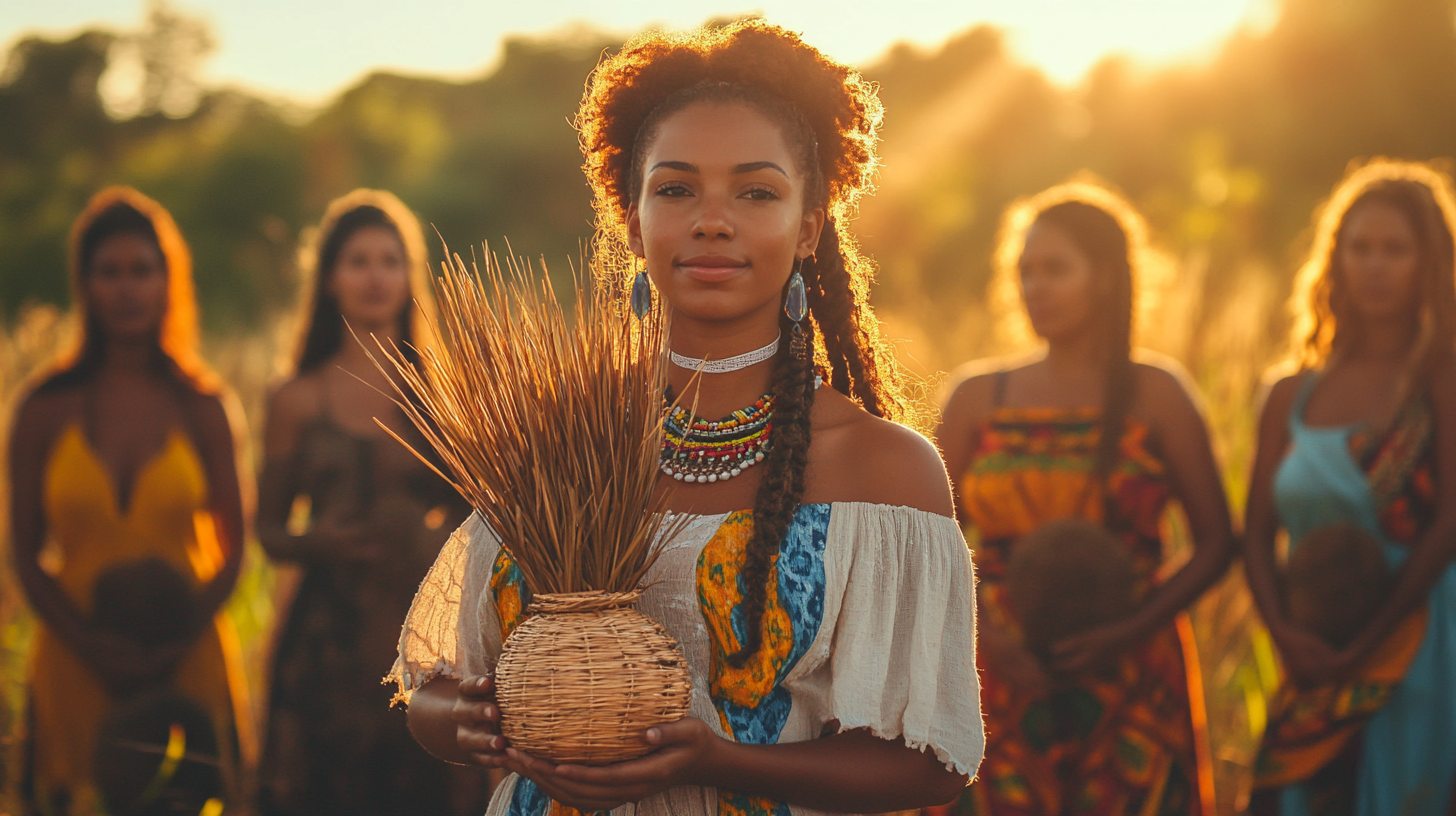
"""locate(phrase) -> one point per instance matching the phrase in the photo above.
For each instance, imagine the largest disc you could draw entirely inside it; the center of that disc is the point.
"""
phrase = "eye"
(673, 189)
(760, 194)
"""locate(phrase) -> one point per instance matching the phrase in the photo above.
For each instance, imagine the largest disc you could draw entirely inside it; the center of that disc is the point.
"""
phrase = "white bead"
(712, 477)
(677, 476)
(758, 457)
(725, 476)
(735, 471)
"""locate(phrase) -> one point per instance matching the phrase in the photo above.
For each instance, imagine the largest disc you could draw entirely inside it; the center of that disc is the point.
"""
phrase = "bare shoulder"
(972, 391)
(1279, 395)
(297, 396)
(860, 457)
(1164, 385)
(43, 413)
(211, 412)
(295, 402)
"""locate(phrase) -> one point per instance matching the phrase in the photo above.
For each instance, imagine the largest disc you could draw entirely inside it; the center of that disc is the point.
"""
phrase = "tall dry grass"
(550, 426)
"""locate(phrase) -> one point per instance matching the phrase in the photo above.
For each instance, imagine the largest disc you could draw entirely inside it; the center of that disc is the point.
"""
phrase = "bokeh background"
(1226, 149)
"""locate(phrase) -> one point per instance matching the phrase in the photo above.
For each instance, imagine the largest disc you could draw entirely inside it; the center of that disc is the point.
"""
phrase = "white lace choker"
(726, 364)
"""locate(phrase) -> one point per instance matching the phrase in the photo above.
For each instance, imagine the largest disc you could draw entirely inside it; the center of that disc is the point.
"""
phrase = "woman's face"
(371, 279)
(1379, 259)
(126, 287)
(721, 218)
(1058, 284)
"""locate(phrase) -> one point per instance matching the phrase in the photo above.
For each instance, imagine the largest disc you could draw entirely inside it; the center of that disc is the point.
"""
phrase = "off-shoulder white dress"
(870, 621)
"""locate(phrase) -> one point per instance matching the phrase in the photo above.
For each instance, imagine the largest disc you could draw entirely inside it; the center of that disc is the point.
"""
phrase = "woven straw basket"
(585, 675)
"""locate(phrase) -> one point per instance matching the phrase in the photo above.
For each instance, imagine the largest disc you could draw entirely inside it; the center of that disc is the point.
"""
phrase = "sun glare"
(1062, 37)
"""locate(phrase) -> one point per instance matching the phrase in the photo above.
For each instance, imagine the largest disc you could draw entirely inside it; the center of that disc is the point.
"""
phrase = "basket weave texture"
(585, 675)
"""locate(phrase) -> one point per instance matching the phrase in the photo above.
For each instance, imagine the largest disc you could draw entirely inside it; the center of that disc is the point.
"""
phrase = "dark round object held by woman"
(1065, 578)
(1335, 582)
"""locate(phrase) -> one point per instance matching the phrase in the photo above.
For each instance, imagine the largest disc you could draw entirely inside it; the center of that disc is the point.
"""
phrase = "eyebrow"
(738, 169)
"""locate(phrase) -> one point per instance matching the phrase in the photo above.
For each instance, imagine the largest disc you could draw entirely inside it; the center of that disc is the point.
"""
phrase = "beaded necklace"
(697, 450)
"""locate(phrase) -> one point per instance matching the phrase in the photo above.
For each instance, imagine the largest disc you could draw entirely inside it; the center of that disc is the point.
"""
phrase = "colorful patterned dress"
(1125, 743)
(870, 621)
(1384, 741)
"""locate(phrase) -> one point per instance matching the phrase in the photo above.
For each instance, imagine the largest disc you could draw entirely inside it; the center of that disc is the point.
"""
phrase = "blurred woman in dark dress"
(363, 519)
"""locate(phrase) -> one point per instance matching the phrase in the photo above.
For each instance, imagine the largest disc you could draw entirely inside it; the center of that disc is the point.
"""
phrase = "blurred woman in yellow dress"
(1089, 438)
(122, 467)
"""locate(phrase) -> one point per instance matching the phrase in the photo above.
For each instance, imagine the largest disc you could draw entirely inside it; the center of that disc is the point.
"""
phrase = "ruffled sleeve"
(903, 656)
(450, 629)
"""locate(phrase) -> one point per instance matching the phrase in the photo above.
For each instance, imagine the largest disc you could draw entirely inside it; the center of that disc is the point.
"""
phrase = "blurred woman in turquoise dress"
(1364, 435)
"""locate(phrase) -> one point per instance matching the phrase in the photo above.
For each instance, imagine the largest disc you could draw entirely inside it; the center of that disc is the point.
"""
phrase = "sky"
(307, 50)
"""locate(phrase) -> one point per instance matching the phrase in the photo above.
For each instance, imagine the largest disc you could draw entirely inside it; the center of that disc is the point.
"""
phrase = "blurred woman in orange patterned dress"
(1109, 721)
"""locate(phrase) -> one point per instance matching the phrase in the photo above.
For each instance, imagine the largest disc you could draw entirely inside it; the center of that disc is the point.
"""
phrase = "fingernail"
(653, 735)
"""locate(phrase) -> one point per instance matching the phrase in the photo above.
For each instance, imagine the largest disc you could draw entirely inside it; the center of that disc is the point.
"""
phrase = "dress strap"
(998, 389)
(1296, 411)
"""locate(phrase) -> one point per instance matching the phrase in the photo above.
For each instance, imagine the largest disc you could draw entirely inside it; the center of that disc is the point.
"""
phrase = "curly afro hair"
(838, 104)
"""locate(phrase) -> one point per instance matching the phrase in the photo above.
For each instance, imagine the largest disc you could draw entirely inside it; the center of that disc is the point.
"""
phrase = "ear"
(810, 229)
(634, 232)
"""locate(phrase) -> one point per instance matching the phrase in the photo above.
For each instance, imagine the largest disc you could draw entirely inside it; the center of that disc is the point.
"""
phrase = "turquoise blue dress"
(1408, 757)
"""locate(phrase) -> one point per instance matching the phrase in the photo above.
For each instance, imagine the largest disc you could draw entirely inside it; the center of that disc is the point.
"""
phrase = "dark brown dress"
(334, 745)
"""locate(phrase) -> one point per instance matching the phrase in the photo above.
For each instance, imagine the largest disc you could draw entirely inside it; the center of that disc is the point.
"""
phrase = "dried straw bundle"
(552, 430)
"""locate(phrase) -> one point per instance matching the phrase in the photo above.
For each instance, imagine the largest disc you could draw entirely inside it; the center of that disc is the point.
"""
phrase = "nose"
(713, 222)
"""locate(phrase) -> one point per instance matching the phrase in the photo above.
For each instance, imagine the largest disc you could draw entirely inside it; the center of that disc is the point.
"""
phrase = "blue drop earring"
(796, 305)
(641, 293)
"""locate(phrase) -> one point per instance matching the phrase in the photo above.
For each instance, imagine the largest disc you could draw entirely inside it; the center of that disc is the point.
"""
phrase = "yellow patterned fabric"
(168, 518)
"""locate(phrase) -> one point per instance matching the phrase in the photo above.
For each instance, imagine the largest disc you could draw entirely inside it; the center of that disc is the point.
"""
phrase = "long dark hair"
(1113, 237)
(829, 116)
(124, 211)
(324, 331)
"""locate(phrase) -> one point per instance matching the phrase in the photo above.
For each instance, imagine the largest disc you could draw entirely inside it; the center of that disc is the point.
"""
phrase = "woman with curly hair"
(1094, 708)
(123, 460)
(376, 519)
(1363, 435)
(821, 591)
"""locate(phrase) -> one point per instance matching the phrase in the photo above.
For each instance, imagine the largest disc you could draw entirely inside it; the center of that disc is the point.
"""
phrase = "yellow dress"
(168, 518)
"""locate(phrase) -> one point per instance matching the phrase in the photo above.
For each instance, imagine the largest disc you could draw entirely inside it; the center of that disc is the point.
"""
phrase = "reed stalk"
(550, 428)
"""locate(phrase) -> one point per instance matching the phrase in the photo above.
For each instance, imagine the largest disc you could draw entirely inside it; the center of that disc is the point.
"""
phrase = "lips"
(712, 268)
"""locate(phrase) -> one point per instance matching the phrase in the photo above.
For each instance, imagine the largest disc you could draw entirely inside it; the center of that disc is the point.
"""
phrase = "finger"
(480, 714)
(479, 741)
(556, 788)
(683, 730)
(478, 687)
(487, 759)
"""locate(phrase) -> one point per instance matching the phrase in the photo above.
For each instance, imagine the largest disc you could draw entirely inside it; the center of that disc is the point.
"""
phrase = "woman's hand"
(1310, 661)
(1092, 648)
(683, 755)
(477, 722)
